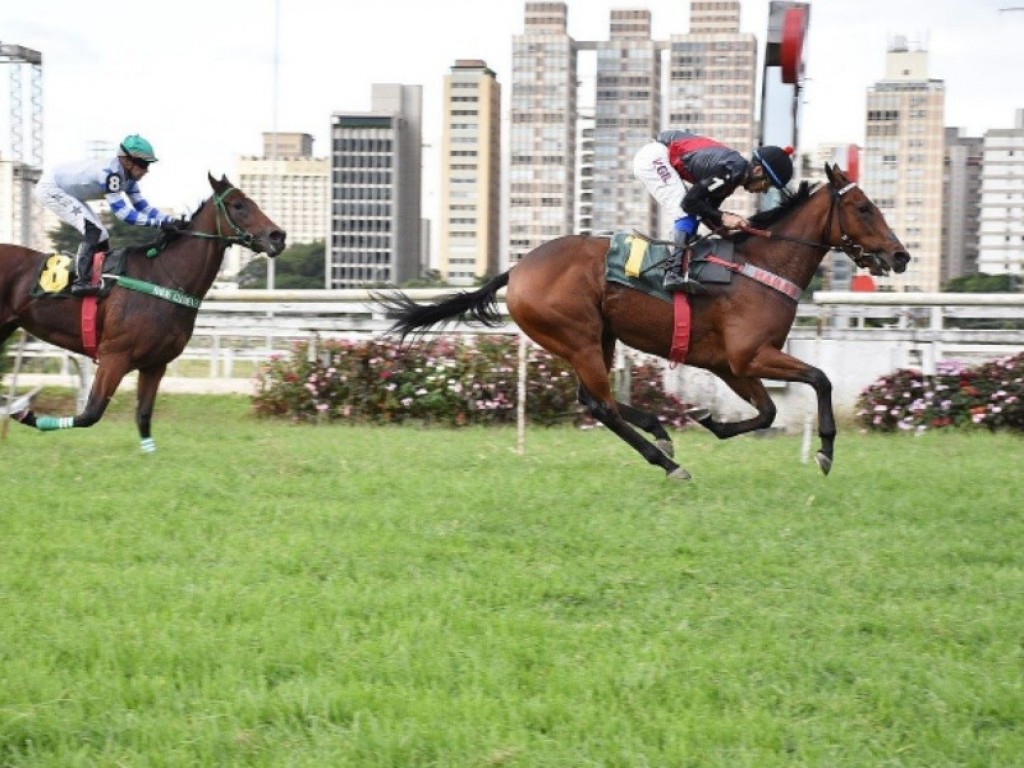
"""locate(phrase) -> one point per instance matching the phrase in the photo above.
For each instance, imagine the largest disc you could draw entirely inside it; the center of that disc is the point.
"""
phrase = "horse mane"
(765, 219)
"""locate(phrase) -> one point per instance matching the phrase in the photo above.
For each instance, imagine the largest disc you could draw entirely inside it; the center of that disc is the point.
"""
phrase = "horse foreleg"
(108, 377)
(751, 391)
(149, 383)
(771, 363)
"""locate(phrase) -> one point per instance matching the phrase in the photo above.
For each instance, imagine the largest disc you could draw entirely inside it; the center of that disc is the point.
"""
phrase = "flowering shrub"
(471, 380)
(989, 395)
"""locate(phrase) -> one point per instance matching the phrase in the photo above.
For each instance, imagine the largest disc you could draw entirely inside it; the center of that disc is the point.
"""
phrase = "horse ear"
(830, 171)
(213, 183)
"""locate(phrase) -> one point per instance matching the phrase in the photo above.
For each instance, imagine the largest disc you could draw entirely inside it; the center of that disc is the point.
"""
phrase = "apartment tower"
(712, 83)
(470, 174)
(1001, 248)
(376, 159)
(542, 143)
(903, 161)
(627, 115)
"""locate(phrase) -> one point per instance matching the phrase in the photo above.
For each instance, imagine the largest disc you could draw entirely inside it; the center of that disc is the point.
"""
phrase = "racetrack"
(260, 593)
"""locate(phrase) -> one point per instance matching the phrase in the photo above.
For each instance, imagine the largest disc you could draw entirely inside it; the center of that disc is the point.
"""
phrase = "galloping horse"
(148, 317)
(558, 295)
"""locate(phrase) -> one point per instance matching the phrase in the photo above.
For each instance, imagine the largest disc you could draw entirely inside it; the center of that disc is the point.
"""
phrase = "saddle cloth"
(638, 262)
(57, 272)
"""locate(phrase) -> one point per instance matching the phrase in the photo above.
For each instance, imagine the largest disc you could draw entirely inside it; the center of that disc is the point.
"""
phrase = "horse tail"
(479, 306)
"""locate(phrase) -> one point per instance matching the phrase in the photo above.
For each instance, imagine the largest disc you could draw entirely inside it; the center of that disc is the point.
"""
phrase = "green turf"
(263, 594)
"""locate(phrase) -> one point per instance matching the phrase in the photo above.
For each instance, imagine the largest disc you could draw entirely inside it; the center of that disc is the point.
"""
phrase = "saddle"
(637, 261)
(57, 272)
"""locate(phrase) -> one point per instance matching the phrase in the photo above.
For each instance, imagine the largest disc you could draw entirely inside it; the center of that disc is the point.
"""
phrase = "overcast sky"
(198, 78)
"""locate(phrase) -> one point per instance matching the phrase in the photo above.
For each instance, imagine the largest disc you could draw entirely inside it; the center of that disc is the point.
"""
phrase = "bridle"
(847, 245)
(240, 236)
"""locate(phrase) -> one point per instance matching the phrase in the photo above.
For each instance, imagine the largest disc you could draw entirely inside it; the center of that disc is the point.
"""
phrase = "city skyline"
(205, 102)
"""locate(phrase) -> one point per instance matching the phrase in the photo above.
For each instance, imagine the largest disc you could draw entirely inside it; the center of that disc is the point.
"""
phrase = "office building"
(376, 232)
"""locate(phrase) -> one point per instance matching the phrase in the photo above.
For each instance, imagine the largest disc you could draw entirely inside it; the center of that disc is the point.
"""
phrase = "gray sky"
(198, 78)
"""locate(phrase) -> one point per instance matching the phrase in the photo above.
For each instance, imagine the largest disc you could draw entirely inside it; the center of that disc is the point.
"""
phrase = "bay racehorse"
(558, 295)
(147, 318)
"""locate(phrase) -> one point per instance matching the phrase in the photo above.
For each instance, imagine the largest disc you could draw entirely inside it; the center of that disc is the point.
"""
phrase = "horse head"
(863, 233)
(240, 220)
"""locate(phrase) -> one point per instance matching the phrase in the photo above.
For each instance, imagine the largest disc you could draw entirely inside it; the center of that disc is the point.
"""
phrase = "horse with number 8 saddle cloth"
(57, 273)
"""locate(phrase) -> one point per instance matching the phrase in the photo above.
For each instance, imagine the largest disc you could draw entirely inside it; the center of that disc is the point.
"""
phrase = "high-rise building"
(1001, 247)
(903, 161)
(470, 173)
(712, 83)
(711, 90)
(289, 185)
(375, 217)
(961, 204)
(542, 143)
(23, 221)
(627, 116)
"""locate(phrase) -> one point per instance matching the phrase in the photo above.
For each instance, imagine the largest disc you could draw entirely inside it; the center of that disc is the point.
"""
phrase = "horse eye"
(864, 208)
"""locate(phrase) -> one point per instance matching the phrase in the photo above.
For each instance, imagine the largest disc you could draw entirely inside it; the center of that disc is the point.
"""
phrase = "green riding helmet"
(137, 147)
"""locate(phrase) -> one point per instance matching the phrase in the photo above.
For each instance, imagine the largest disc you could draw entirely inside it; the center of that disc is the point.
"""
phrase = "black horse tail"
(479, 306)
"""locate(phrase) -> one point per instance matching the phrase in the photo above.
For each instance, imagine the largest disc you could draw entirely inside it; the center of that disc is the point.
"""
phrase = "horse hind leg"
(649, 423)
(605, 410)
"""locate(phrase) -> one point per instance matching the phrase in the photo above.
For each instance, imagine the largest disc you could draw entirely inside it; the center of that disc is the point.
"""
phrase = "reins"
(846, 244)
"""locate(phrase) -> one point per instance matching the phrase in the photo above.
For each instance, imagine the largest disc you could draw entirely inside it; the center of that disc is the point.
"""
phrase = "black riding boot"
(83, 263)
(677, 271)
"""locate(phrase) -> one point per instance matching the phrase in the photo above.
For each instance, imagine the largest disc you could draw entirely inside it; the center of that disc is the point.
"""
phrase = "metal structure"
(20, 57)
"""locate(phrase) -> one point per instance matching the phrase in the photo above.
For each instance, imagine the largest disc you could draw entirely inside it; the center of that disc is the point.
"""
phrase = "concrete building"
(470, 220)
(376, 233)
(712, 74)
(1001, 226)
(627, 116)
(290, 185)
(542, 143)
(902, 162)
(712, 83)
(22, 220)
(961, 195)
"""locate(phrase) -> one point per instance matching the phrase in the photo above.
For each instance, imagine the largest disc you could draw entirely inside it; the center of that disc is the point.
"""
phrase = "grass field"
(263, 594)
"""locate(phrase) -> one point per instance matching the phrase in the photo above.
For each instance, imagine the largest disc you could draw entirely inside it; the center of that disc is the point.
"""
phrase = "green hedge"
(448, 381)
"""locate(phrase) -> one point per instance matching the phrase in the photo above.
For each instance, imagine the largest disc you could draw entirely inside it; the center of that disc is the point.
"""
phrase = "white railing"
(854, 337)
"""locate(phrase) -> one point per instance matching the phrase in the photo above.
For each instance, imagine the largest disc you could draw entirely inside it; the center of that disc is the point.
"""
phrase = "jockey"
(66, 188)
(713, 171)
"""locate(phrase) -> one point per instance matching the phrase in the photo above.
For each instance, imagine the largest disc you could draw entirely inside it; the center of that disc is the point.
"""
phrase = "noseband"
(854, 250)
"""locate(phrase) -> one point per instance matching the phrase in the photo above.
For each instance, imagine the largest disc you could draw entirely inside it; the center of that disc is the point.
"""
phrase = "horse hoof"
(698, 414)
(679, 474)
(824, 462)
(666, 447)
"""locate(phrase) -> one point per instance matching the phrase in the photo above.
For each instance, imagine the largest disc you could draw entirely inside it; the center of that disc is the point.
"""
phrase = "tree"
(66, 238)
(300, 267)
(982, 283)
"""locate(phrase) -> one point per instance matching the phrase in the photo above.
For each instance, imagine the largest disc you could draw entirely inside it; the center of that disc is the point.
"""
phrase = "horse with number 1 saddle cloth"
(578, 296)
(639, 262)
